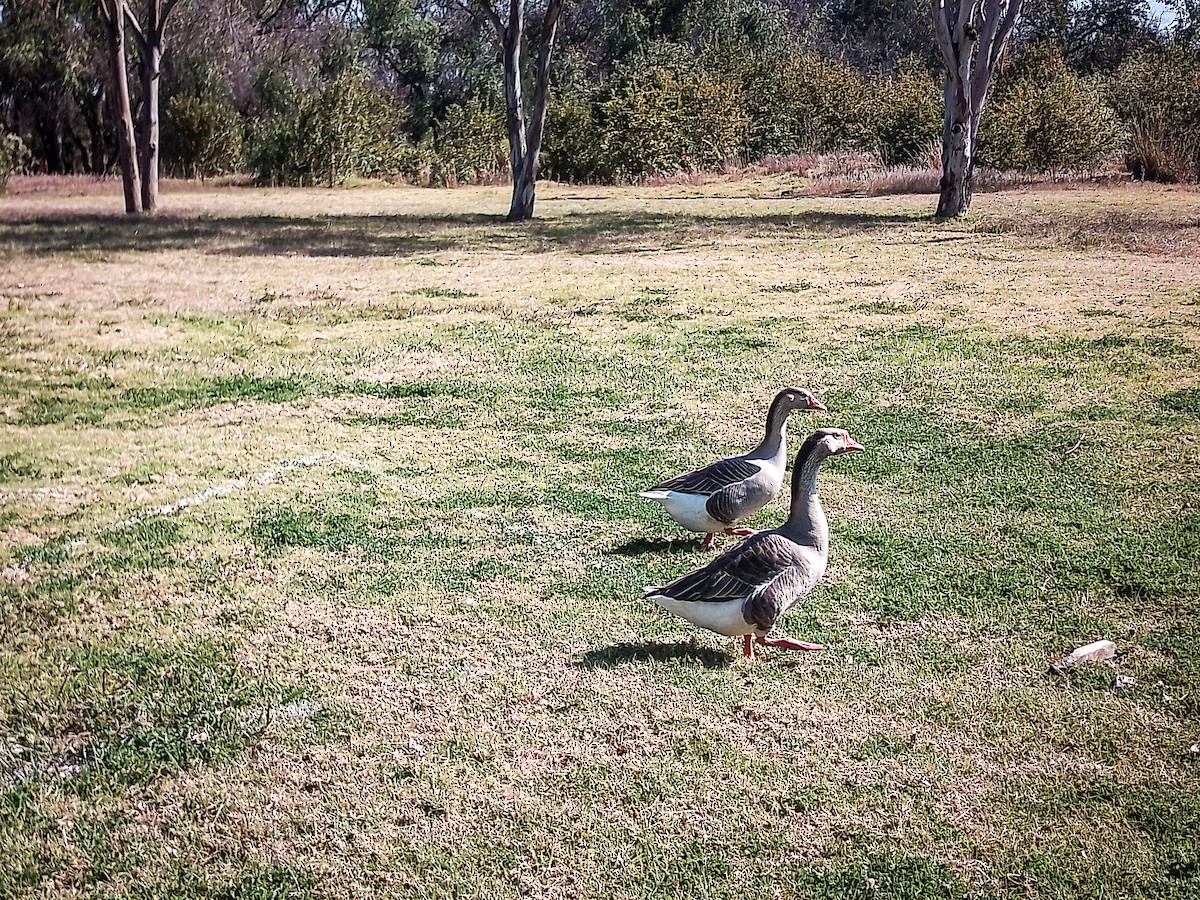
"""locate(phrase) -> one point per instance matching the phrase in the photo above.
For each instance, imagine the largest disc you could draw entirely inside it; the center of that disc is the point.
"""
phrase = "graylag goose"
(717, 496)
(744, 591)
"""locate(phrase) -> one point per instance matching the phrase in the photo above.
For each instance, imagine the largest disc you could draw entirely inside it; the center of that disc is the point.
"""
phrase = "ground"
(321, 560)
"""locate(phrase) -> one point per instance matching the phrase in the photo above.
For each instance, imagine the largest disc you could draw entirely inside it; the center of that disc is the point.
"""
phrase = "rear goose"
(717, 496)
(744, 591)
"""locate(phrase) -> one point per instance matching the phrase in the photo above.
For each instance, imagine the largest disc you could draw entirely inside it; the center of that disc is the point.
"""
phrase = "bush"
(906, 114)
(659, 118)
(471, 145)
(1041, 116)
(348, 128)
(202, 136)
(573, 149)
(1157, 96)
(13, 157)
(799, 102)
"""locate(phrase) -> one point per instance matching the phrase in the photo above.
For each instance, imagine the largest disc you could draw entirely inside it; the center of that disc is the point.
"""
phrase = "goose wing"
(711, 478)
(739, 572)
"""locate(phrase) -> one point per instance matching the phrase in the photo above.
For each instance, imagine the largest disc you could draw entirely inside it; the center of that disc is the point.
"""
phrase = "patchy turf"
(321, 558)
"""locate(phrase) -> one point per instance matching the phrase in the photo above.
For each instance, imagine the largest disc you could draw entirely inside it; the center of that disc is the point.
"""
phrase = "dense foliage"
(305, 92)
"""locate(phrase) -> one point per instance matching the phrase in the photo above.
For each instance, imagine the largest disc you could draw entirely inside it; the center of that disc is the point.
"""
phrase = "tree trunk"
(525, 183)
(970, 50)
(151, 70)
(524, 134)
(524, 188)
(114, 21)
(958, 153)
(511, 36)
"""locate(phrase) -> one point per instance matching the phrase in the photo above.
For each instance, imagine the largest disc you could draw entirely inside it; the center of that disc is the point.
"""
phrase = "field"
(321, 558)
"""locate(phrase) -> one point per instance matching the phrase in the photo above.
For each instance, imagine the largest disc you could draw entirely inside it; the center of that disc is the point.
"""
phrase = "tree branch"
(541, 89)
(132, 22)
(941, 22)
(488, 10)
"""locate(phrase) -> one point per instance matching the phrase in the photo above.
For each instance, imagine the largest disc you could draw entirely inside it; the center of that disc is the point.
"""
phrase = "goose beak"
(814, 403)
(852, 444)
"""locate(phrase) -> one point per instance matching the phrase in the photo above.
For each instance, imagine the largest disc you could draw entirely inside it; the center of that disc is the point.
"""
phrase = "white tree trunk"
(972, 35)
(150, 39)
(151, 70)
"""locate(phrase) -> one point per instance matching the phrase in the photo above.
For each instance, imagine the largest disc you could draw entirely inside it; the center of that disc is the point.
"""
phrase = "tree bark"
(511, 38)
(151, 70)
(113, 13)
(972, 35)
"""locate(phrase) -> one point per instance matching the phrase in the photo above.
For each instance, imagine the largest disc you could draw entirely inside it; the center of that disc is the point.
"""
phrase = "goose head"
(832, 441)
(798, 398)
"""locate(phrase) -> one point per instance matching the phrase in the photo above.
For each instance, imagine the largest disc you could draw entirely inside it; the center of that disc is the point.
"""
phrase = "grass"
(321, 558)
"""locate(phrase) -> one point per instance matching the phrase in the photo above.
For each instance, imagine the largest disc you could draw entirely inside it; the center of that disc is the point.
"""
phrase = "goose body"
(715, 497)
(745, 590)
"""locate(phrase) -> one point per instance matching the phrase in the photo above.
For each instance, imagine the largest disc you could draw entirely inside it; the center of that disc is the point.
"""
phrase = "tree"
(972, 35)
(150, 38)
(113, 13)
(525, 127)
(53, 77)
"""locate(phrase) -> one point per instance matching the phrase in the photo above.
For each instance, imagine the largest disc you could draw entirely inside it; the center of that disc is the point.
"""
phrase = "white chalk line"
(225, 488)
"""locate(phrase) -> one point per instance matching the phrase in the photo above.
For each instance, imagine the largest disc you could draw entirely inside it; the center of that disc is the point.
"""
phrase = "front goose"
(745, 590)
(717, 496)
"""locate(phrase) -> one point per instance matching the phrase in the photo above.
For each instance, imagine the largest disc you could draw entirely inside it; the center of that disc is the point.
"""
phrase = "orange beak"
(852, 444)
(814, 403)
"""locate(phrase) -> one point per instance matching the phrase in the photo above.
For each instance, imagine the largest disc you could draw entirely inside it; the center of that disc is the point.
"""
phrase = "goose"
(717, 496)
(744, 591)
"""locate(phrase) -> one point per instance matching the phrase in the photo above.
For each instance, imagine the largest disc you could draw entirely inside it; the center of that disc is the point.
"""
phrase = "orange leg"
(741, 532)
(748, 649)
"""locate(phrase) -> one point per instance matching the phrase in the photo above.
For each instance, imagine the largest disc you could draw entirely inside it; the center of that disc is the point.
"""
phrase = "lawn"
(321, 560)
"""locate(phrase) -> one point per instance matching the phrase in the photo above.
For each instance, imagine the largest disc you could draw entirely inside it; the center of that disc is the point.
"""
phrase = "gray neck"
(806, 522)
(774, 442)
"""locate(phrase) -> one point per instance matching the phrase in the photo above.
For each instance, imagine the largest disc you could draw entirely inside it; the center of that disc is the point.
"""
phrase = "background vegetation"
(319, 92)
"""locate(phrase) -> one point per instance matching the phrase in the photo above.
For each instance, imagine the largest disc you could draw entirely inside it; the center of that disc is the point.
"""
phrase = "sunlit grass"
(322, 560)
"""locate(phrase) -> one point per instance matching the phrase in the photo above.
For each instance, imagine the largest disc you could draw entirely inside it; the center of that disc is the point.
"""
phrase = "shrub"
(1041, 116)
(13, 157)
(202, 136)
(573, 149)
(471, 145)
(347, 128)
(906, 114)
(1157, 96)
(800, 102)
(352, 130)
(661, 118)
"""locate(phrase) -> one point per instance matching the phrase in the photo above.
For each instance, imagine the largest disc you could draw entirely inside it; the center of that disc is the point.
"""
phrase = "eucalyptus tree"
(525, 122)
(972, 36)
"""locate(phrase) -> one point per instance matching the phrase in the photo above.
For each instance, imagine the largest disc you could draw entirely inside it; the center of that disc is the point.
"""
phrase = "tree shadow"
(413, 234)
(618, 654)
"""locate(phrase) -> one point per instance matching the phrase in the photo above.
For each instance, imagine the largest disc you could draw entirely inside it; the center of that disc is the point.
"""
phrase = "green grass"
(402, 651)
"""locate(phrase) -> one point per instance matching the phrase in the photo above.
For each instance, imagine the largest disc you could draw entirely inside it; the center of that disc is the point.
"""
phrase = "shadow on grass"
(408, 235)
(642, 546)
(618, 654)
